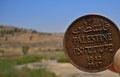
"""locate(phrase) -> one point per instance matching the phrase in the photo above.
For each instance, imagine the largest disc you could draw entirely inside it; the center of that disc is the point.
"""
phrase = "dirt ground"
(67, 69)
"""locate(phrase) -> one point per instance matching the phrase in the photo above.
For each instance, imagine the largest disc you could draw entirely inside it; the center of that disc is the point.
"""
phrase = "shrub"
(27, 59)
(2, 52)
(31, 37)
(25, 49)
(62, 59)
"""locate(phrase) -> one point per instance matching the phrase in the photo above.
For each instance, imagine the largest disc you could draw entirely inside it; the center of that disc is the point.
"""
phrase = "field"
(20, 46)
(28, 53)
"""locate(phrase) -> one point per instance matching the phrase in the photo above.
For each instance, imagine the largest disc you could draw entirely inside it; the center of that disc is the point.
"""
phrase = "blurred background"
(31, 35)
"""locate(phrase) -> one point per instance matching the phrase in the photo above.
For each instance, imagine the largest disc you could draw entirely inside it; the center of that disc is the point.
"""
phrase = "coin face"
(90, 43)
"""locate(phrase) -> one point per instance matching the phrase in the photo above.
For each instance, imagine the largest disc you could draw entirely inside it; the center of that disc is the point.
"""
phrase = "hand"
(116, 62)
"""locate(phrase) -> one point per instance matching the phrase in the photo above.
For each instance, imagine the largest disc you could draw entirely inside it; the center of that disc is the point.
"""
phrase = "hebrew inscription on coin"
(90, 43)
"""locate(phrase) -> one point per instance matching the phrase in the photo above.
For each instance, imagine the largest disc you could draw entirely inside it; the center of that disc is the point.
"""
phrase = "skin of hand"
(116, 63)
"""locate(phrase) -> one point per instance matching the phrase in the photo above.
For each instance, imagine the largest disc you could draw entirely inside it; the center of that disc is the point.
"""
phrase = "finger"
(112, 68)
(117, 61)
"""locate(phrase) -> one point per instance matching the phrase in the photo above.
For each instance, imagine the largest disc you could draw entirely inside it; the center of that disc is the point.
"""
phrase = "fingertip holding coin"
(116, 61)
(112, 68)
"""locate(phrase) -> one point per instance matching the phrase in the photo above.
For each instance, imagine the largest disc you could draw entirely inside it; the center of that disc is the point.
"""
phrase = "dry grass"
(12, 40)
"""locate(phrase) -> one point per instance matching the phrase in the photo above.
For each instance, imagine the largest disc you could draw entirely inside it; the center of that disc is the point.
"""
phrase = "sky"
(54, 15)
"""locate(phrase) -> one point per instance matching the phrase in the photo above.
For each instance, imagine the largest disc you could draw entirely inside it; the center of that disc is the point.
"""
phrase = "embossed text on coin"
(90, 42)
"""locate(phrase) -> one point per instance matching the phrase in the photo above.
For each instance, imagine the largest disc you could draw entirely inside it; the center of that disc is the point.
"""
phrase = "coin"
(91, 42)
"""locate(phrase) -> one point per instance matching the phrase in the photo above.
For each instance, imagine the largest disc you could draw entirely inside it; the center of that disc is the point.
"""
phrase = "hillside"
(12, 39)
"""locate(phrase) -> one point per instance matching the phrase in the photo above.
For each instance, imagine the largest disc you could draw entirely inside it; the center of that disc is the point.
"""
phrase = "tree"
(31, 37)
(6, 38)
(25, 49)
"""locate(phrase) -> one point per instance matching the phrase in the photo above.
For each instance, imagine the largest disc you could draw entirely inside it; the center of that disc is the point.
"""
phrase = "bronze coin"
(90, 43)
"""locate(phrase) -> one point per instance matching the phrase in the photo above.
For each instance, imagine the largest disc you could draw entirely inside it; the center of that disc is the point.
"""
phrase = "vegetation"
(58, 49)
(37, 73)
(7, 68)
(21, 60)
(31, 37)
(2, 52)
(62, 59)
(4, 32)
(73, 76)
(25, 49)
(15, 41)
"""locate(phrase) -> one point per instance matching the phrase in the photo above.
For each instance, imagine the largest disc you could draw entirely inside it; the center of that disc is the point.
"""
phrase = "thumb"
(117, 61)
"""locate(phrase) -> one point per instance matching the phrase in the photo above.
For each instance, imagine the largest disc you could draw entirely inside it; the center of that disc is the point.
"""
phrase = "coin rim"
(65, 49)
